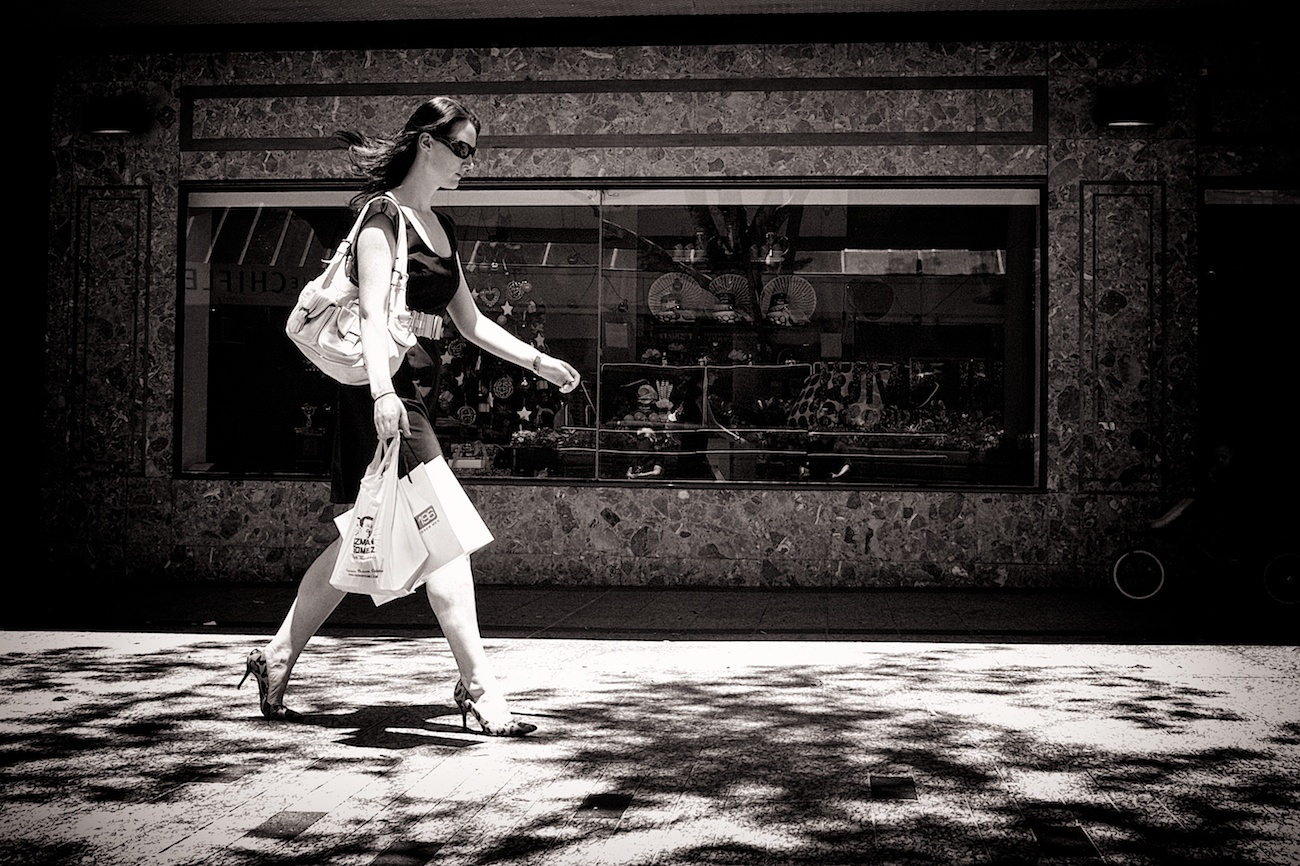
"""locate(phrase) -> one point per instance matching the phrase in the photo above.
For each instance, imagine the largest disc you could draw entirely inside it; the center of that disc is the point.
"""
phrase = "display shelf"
(825, 262)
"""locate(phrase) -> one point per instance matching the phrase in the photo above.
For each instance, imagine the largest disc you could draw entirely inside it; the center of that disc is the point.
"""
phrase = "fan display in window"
(788, 300)
(676, 297)
(733, 298)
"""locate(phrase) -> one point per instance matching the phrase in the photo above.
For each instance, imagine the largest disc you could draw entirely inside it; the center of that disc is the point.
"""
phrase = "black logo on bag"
(426, 518)
(363, 543)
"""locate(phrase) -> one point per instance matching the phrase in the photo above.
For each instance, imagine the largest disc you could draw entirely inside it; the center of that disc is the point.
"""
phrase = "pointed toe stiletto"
(491, 713)
(257, 667)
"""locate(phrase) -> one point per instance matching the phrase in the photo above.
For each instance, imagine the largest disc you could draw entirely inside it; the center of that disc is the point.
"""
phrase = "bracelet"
(384, 394)
(537, 364)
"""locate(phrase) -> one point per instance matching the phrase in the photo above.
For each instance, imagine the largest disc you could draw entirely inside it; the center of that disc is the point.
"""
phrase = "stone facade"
(1120, 314)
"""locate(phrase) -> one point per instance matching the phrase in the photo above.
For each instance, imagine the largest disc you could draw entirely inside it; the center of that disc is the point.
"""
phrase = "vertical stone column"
(108, 340)
(1121, 281)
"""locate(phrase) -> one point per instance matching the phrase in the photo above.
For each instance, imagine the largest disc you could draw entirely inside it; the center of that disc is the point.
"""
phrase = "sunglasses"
(462, 149)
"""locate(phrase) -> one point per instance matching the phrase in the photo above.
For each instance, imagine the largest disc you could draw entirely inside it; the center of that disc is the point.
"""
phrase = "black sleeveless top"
(432, 280)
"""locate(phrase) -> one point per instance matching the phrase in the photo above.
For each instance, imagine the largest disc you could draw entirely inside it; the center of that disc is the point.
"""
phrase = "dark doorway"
(1249, 345)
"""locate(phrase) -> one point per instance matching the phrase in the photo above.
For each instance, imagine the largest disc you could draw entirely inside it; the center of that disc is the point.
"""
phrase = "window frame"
(1031, 192)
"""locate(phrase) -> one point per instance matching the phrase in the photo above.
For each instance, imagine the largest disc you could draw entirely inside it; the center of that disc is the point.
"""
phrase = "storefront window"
(886, 336)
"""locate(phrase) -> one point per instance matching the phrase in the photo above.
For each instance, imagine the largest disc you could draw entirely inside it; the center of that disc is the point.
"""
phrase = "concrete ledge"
(695, 613)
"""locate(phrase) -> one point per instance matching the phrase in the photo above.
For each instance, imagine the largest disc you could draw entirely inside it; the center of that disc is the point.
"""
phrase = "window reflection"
(778, 336)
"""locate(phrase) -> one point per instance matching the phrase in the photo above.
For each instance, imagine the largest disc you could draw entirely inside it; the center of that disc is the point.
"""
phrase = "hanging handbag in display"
(326, 322)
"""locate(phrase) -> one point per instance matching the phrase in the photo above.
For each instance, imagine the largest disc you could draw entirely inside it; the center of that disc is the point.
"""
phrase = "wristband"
(384, 394)
(537, 364)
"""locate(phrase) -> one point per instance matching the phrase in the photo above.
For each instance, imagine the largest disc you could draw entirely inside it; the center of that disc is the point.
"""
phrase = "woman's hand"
(487, 334)
(390, 417)
(557, 372)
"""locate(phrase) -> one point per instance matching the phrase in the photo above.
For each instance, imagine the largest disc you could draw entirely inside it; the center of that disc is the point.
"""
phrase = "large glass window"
(886, 336)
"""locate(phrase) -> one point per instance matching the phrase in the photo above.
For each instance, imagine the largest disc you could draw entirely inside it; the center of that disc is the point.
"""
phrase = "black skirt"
(355, 441)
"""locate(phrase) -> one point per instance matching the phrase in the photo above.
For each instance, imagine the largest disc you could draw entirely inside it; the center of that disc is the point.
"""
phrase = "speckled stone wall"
(1120, 307)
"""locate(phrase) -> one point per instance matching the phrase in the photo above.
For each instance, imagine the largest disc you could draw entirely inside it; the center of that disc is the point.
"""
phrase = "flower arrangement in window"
(534, 438)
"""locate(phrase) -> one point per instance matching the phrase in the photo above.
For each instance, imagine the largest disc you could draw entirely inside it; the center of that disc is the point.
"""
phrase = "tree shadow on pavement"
(770, 762)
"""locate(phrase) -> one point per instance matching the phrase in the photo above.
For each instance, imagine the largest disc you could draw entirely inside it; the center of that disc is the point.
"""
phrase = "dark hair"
(384, 162)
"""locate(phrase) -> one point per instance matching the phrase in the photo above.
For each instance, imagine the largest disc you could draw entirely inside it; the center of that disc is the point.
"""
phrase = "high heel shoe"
(260, 671)
(491, 713)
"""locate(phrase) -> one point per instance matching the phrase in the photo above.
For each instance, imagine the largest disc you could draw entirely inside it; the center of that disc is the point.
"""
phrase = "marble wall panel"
(109, 331)
(89, 173)
(232, 562)
(1010, 529)
(148, 508)
(944, 58)
(472, 63)
(772, 538)
(257, 530)
(1062, 349)
(694, 162)
(278, 165)
(1070, 97)
(777, 572)
(778, 107)
(1122, 248)
(599, 568)
(1179, 317)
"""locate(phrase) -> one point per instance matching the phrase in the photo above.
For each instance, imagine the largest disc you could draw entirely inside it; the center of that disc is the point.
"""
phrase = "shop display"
(723, 334)
(788, 300)
(675, 298)
(733, 298)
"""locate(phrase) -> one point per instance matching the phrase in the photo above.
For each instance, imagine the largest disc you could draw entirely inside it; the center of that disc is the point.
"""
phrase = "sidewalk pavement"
(675, 727)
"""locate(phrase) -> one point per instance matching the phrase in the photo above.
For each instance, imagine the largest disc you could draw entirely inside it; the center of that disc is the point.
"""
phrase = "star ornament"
(525, 413)
(507, 309)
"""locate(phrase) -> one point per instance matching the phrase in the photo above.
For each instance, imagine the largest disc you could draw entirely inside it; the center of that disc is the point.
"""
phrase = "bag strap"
(397, 282)
(400, 263)
(345, 244)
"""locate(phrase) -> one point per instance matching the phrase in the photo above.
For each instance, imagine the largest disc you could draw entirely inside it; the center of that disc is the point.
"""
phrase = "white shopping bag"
(449, 525)
(381, 553)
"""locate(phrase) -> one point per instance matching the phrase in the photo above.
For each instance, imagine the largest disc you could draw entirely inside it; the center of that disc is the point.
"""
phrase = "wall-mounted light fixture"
(1131, 105)
(122, 114)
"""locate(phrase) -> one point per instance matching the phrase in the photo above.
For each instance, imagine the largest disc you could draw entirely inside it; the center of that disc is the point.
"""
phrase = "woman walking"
(433, 151)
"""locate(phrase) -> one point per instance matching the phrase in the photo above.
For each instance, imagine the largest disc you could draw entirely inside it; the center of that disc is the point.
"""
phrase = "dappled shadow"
(788, 752)
(758, 759)
(1287, 734)
(395, 727)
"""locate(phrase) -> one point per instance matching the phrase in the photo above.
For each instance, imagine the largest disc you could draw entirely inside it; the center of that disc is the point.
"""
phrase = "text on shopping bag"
(448, 522)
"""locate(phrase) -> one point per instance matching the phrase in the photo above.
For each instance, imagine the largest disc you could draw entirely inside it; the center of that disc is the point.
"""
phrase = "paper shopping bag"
(449, 525)
(381, 552)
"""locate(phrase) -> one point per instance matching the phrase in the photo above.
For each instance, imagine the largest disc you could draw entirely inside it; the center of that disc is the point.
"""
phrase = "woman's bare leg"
(451, 595)
(315, 601)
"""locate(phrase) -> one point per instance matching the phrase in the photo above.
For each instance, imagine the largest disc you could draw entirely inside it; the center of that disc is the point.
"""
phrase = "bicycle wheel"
(1137, 574)
(1282, 578)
